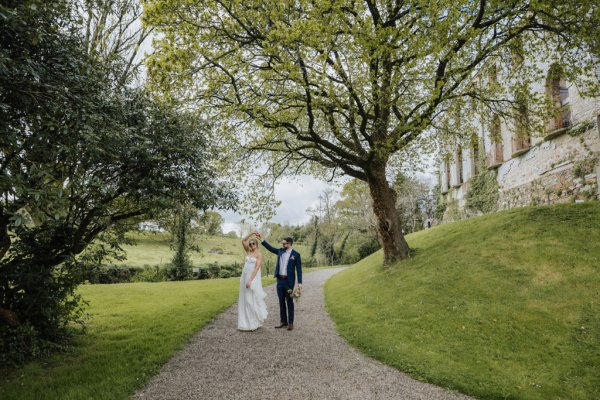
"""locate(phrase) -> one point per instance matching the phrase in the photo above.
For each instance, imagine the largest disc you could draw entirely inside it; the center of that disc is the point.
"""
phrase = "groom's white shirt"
(283, 261)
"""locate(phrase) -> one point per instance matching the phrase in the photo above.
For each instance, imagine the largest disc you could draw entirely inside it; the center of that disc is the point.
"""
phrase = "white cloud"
(296, 196)
(227, 227)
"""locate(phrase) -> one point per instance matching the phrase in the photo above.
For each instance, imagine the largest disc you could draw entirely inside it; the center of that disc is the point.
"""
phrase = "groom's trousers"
(284, 297)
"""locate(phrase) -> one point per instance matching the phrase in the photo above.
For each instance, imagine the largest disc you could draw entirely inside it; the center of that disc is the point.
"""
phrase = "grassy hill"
(153, 249)
(504, 306)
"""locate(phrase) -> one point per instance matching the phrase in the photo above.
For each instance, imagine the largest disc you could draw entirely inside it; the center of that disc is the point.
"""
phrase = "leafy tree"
(181, 261)
(79, 160)
(211, 222)
(313, 248)
(412, 202)
(349, 86)
(355, 210)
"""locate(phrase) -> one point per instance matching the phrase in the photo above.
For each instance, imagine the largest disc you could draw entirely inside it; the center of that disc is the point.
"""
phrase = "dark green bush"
(224, 273)
(213, 270)
(203, 273)
(368, 247)
(113, 274)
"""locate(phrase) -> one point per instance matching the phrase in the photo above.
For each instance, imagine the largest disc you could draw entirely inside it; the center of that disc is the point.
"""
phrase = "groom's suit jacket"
(293, 266)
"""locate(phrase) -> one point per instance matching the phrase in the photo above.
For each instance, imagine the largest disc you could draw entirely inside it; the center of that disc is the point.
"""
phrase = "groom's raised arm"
(269, 247)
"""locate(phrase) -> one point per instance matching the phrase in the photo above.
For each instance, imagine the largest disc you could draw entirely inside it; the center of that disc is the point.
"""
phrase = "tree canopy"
(77, 157)
(350, 86)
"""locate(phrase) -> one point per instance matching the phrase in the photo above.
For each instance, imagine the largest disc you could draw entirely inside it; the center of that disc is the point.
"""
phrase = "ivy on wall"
(583, 167)
(483, 195)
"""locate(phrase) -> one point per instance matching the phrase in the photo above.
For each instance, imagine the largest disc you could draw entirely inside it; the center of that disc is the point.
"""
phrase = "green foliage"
(315, 243)
(211, 221)
(584, 167)
(483, 194)
(112, 274)
(352, 87)
(440, 204)
(453, 212)
(150, 274)
(368, 247)
(414, 202)
(79, 157)
(180, 263)
(498, 306)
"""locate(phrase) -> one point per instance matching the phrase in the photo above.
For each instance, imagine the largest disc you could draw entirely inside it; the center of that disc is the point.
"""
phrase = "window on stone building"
(558, 96)
(458, 163)
(496, 154)
(446, 172)
(521, 139)
(475, 156)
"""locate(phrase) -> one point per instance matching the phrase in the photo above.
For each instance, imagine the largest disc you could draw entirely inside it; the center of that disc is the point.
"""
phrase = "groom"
(287, 265)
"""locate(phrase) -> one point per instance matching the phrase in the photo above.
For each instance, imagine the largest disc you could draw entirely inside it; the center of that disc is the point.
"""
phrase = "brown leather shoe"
(282, 325)
(290, 327)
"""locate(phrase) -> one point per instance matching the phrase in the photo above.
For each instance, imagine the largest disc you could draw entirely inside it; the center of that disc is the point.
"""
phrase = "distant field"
(154, 249)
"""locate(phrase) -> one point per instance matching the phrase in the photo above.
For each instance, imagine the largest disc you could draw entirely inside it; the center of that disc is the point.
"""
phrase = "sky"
(296, 196)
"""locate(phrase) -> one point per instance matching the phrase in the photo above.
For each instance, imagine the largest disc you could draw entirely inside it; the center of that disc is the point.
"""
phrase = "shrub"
(20, 343)
(224, 273)
(369, 247)
(483, 192)
(151, 274)
(203, 273)
(112, 274)
(213, 270)
(235, 269)
(310, 262)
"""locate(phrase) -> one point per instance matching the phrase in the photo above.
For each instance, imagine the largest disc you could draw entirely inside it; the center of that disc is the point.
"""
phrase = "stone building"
(559, 164)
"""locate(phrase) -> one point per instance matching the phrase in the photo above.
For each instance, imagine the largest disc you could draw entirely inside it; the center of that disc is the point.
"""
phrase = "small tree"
(210, 222)
(181, 264)
(411, 202)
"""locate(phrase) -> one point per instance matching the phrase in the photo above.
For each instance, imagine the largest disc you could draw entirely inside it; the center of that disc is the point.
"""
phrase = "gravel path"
(310, 362)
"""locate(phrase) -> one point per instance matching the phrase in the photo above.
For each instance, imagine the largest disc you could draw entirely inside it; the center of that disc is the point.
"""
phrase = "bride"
(252, 310)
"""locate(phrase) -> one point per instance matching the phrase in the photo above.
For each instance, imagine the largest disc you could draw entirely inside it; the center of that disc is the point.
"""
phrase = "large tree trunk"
(389, 227)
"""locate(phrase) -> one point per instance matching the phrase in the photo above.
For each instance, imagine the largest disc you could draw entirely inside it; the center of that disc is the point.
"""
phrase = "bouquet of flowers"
(295, 293)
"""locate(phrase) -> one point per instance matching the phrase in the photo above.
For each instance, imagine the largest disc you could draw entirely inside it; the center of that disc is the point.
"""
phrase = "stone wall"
(560, 169)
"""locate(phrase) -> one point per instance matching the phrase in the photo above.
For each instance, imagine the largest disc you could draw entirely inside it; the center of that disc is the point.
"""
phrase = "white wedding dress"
(252, 310)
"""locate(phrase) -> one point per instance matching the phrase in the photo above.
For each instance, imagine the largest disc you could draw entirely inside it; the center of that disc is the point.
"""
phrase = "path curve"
(310, 362)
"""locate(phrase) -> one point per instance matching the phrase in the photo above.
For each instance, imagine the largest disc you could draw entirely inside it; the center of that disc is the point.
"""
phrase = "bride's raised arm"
(246, 240)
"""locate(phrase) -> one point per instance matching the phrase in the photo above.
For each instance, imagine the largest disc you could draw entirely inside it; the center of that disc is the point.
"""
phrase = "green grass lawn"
(133, 330)
(505, 306)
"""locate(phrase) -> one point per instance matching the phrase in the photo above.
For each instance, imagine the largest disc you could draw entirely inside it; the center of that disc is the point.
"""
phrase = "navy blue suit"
(293, 267)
